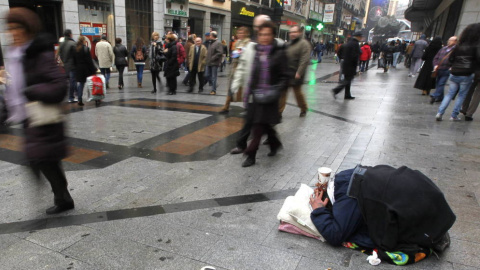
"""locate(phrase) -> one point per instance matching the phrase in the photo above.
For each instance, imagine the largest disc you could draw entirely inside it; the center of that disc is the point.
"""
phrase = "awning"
(420, 14)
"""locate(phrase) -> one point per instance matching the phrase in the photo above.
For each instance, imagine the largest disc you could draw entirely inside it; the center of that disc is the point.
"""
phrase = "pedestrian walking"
(36, 81)
(197, 62)
(171, 71)
(104, 53)
(84, 66)
(351, 55)
(320, 49)
(464, 61)
(298, 53)
(66, 52)
(214, 58)
(190, 42)
(442, 68)
(224, 56)
(365, 56)
(396, 53)
(121, 55)
(157, 58)
(243, 38)
(139, 56)
(416, 55)
(424, 81)
(388, 50)
(470, 104)
(269, 79)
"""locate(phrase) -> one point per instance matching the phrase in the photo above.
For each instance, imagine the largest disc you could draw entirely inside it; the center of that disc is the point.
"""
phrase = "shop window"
(96, 19)
(139, 21)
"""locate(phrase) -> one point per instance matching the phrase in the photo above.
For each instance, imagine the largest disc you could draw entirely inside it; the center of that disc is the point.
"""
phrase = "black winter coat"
(84, 66)
(171, 66)
(268, 113)
(121, 55)
(464, 60)
(45, 82)
(351, 54)
(155, 53)
(424, 80)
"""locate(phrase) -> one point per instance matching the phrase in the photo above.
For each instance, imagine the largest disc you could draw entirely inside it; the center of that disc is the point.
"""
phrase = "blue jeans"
(460, 84)
(395, 58)
(139, 69)
(363, 65)
(80, 90)
(72, 86)
(211, 76)
(106, 73)
(442, 77)
(319, 57)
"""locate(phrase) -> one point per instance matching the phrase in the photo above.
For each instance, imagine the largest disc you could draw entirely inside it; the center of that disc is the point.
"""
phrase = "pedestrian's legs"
(442, 77)
(191, 79)
(257, 132)
(413, 66)
(362, 66)
(187, 77)
(107, 78)
(201, 83)
(120, 69)
(465, 84)
(475, 99)
(452, 91)
(366, 64)
(53, 172)
(348, 81)
(273, 140)
(245, 133)
(282, 102)
(154, 78)
(139, 73)
(207, 75)
(340, 75)
(395, 59)
(319, 57)
(297, 90)
(213, 77)
(80, 91)
(72, 86)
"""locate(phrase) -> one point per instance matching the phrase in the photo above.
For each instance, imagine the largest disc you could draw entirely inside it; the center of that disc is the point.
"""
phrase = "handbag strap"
(445, 57)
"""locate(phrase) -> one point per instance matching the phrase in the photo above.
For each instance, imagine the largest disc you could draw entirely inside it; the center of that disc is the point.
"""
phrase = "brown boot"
(139, 85)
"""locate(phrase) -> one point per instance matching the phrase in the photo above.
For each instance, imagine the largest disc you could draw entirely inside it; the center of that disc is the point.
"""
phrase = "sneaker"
(413, 76)
(438, 117)
(456, 118)
(71, 101)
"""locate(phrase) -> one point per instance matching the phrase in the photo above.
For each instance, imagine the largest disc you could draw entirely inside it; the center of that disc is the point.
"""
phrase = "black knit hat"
(25, 17)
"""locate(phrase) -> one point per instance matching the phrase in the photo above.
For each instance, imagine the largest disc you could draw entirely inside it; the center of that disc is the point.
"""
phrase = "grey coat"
(419, 48)
(66, 52)
(215, 53)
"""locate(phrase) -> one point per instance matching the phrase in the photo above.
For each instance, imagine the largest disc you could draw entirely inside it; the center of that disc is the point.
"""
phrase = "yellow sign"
(245, 12)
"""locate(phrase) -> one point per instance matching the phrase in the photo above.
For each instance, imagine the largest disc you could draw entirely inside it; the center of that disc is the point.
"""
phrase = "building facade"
(210, 15)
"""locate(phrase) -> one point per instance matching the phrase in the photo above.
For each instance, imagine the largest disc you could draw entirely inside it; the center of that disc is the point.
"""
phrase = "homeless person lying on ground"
(400, 213)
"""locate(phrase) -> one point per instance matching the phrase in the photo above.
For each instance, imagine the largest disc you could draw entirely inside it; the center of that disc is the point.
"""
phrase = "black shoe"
(432, 100)
(248, 162)
(200, 90)
(190, 90)
(80, 103)
(334, 94)
(154, 91)
(462, 112)
(468, 118)
(224, 111)
(302, 114)
(349, 98)
(170, 93)
(236, 151)
(108, 86)
(266, 142)
(272, 152)
(60, 208)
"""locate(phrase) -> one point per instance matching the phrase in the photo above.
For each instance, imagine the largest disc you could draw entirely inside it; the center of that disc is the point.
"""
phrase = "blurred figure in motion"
(84, 66)
(33, 98)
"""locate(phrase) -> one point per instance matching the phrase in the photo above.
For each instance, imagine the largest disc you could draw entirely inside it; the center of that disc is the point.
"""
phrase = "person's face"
(265, 36)
(207, 37)
(19, 34)
(156, 37)
(241, 35)
(452, 41)
(294, 33)
(198, 41)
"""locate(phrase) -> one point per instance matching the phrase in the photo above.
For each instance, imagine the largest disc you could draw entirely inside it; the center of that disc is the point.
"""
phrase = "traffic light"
(319, 26)
(308, 28)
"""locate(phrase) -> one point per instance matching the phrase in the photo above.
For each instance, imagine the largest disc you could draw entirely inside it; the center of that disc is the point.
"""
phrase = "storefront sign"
(347, 19)
(287, 2)
(245, 12)
(288, 22)
(90, 31)
(177, 12)
(328, 13)
(315, 16)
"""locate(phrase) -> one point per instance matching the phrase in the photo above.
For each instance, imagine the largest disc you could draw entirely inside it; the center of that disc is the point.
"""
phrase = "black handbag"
(266, 97)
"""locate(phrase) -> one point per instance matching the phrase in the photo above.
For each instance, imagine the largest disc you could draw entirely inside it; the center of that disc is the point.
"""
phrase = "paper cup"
(324, 174)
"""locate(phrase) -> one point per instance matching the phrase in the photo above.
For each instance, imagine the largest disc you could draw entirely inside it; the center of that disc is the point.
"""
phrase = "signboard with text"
(328, 13)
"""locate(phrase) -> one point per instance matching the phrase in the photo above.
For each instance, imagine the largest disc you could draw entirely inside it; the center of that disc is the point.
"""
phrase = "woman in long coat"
(424, 81)
(36, 81)
(155, 54)
(84, 66)
(171, 66)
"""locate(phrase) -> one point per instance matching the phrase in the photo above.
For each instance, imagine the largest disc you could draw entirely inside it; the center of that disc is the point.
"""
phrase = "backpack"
(181, 55)
(97, 86)
(139, 55)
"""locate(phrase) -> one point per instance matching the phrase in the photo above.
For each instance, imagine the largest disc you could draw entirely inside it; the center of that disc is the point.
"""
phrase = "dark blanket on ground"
(401, 207)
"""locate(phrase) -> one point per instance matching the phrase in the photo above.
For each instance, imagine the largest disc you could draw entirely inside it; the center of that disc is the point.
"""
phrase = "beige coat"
(104, 53)
(202, 59)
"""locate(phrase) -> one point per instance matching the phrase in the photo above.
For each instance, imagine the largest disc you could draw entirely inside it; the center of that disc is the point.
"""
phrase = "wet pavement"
(155, 186)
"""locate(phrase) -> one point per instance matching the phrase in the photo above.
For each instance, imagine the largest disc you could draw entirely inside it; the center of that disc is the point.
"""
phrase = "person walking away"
(156, 60)
(424, 81)
(181, 55)
(190, 42)
(351, 55)
(376, 50)
(365, 56)
(388, 50)
(197, 62)
(269, 79)
(84, 66)
(104, 53)
(464, 60)
(121, 55)
(214, 58)
(67, 51)
(298, 53)
(396, 53)
(171, 71)
(36, 81)
(224, 56)
(243, 38)
(442, 67)
(417, 53)
(320, 50)
(139, 56)
(408, 54)
(470, 104)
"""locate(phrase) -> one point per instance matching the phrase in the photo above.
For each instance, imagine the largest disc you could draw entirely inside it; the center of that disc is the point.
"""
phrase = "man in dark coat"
(350, 54)
(66, 51)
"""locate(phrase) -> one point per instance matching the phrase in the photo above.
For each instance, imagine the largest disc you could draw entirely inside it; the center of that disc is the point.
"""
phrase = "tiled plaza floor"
(155, 186)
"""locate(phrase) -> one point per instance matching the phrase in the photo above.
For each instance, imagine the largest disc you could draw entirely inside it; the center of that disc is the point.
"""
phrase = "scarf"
(261, 66)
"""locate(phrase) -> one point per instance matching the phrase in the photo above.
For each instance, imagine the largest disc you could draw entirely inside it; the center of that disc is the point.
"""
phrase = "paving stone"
(58, 239)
